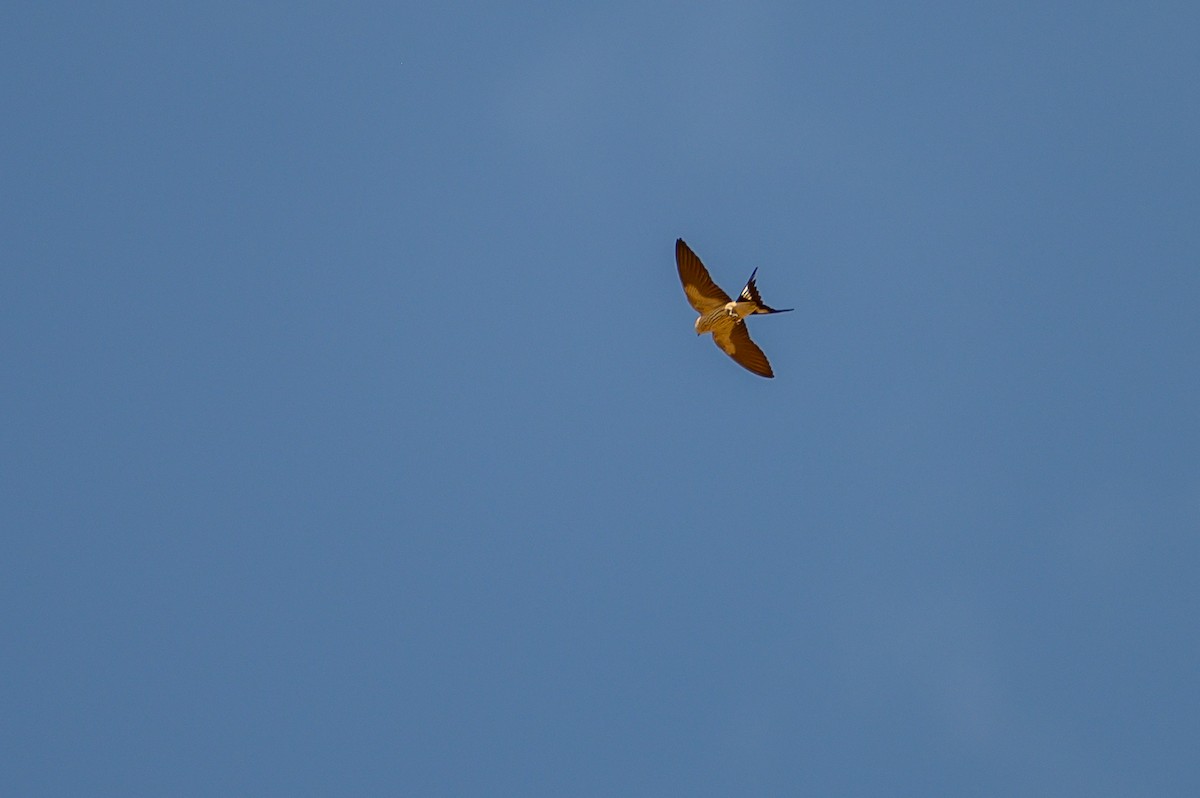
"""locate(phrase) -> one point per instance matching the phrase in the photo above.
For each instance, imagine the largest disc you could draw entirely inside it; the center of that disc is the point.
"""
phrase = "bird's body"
(731, 312)
(722, 316)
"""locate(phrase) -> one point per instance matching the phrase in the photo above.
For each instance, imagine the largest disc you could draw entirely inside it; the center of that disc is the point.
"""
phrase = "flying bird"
(722, 316)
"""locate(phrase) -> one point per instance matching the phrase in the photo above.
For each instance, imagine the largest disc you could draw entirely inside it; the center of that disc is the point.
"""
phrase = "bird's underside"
(722, 316)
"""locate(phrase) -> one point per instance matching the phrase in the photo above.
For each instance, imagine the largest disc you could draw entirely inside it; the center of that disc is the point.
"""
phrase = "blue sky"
(358, 440)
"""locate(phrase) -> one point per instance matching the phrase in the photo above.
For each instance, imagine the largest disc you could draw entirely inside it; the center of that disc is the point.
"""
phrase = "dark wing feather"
(703, 294)
(734, 340)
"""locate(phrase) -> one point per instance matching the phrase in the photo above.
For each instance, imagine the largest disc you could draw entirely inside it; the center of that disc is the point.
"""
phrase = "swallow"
(725, 318)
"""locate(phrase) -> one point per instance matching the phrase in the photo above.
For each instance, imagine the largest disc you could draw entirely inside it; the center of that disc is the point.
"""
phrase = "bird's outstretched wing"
(702, 292)
(734, 340)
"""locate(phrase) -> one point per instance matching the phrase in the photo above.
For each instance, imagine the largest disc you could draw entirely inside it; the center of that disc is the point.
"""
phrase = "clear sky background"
(357, 440)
